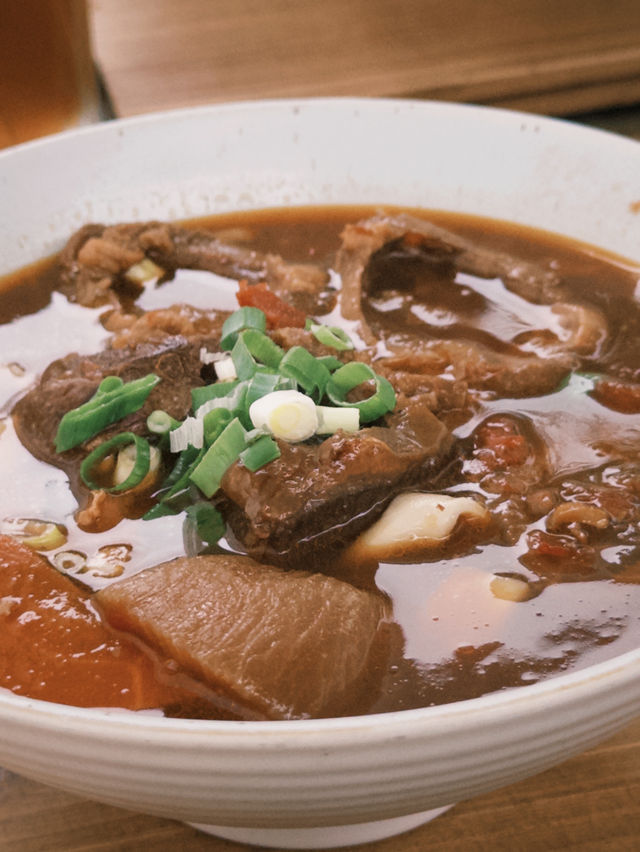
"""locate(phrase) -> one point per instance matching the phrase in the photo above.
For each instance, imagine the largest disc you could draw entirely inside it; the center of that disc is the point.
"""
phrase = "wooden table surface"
(157, 54)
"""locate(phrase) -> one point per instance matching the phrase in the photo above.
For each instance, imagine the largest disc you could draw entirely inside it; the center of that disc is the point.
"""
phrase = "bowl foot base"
(322, 837)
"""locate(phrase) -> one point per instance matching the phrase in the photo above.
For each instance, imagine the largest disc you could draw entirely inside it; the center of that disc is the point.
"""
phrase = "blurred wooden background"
(548, 56)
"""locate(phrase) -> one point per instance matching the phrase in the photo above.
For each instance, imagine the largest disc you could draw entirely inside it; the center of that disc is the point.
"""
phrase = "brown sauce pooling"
(527, 348)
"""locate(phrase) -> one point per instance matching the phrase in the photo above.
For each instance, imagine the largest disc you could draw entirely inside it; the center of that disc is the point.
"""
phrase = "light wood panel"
(554, 57)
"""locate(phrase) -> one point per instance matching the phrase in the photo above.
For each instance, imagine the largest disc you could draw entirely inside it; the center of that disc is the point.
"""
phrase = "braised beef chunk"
(71, 381)
(95, 259)
(316, 498)
(285, 644)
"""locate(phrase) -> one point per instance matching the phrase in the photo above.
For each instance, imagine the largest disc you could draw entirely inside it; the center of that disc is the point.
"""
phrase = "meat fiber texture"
(71, 381)
(97, 256)
(307, 504)
(284, 644)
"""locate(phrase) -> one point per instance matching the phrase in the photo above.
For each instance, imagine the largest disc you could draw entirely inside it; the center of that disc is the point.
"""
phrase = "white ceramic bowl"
(288, 783)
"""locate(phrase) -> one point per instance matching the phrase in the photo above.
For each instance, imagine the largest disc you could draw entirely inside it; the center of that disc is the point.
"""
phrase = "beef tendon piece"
(284, 644)
(364, 242)
(314, 499)
(95, 262)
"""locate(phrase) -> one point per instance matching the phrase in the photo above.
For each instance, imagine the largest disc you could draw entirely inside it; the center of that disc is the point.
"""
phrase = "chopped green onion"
(218, 458)
(308, 372)
(330, 362)
(207, 520)
(160, 510)
(287, 414)
(181, 467)
(143, 271)
(214, 422)
(181, 498)
(243, 360)
(126, 460)
(235, 402)
(49, 536)
(188, 433)
(159, 422)
(331, 336)
(263, 383)
(263, 349)
(108, 384)
(330, 420)
(215, 391)
(246, 317)
(225, 369)
(112, 401)
(262, 451)
(350, 376)
(175, 490)
(138, 472)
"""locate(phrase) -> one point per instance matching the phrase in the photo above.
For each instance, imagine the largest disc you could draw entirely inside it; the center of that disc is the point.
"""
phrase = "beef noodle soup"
(314, 462)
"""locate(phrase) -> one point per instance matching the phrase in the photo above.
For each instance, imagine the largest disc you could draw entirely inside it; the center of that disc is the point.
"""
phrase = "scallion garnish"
(262, 451)
(580, 381)
(215, 391)
(188, 433)
(218, 458)
(262, 348)
(214, 422)
(330, 362)
(235, 402)
(263, 383)
(138, 472)
(113, 400)
(239, 320)
(225, 369)
(178, 481)
(207, 520)
(331, 336)
(287, 414)
(277, 391)
(348, 377)
(243, 360)
(312, 376)
(160, 422)
(331, 420)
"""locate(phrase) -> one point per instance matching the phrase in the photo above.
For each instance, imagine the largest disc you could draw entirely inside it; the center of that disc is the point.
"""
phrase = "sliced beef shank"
(315, 498)
(72, 380)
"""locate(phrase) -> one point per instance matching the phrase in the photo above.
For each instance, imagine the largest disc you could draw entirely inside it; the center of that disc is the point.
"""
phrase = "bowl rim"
(495, 708)
(346, 102)
(621, 669)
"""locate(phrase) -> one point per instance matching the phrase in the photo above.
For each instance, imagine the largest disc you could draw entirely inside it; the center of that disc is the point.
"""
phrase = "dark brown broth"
(459, 641)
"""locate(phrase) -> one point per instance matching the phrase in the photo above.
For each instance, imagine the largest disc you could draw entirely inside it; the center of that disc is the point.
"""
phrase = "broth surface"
(534, 455)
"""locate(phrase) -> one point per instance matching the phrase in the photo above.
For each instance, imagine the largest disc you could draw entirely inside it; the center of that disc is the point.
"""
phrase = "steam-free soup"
(316, 462)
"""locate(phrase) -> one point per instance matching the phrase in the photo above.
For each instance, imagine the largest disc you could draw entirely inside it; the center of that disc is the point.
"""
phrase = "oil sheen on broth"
(522, 348)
